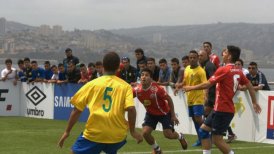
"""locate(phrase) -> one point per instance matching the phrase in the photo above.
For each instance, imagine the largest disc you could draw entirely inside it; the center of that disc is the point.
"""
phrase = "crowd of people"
(211, 110)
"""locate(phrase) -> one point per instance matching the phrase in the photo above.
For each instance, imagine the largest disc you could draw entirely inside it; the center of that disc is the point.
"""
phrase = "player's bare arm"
(256, 106)
(201, 86)
(131, 122)
(74, 116)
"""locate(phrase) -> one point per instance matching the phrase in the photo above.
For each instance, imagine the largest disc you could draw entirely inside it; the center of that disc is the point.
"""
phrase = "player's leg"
(169, 132)
(149, 125)
(204, 131)
(198, 111)
(220, 124)
(84, 146)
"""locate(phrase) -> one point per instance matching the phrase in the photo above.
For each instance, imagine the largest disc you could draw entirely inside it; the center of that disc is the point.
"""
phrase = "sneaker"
(155, 151)
(197, 143)
(231, 138)
(183, 142)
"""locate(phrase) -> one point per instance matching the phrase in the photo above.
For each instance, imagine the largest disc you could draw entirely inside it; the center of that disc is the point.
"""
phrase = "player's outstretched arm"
(131, 121)
(201, 86)
(74, 116)
(251, 90)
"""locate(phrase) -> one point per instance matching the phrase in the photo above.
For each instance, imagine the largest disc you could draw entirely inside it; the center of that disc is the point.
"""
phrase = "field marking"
(197, 150)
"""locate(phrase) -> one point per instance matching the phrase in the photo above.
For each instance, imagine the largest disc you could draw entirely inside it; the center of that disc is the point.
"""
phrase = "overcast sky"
(113, 14)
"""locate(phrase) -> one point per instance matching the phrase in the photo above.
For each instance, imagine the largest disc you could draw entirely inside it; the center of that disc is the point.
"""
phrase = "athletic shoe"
(155, 151)
(183, 142)
(197, 144)
(231, 138)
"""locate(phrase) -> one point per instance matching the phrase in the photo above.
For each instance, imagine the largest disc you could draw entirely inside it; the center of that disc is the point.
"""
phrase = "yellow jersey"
(106, 97)
(194, 77)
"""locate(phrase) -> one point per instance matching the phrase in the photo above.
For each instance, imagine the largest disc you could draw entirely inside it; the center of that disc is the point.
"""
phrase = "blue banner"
(62, 106)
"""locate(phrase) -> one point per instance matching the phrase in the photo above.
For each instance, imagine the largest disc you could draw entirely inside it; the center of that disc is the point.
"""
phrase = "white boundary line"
(197, 150)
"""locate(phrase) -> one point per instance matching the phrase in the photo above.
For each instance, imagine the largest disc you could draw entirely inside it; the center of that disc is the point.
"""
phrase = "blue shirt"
(22, 76)
(48, 74)
(164, 76)
(62, 76)
(38, 73)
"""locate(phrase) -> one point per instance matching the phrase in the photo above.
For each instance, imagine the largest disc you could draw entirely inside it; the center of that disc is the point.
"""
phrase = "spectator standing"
(9, 73)
(62, 74)
(28, 69)
(175, 73)
(240, 64)
(37, 73)
(128, 73)
(151, 65)
(140, 56)
(84, 74)
(69, 58)
(213, 57)
(92, 71)
(48, 71)
(20, 71)
(164, 74)
(99, 69)
(73, 73)
(256, 77)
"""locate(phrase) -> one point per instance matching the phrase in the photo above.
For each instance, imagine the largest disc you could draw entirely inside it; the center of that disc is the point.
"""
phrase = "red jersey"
(214, 59)
(227, 78)
(153, 98)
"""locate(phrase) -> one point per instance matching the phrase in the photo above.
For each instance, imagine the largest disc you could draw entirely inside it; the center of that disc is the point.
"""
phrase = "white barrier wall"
(9, 99)
(38, 101)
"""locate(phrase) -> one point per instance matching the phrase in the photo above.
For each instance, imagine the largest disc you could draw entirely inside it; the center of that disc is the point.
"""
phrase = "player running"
(160, 108)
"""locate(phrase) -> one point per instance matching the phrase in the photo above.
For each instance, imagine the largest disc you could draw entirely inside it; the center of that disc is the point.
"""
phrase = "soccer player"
(227, 79)
(159, 108)
(107, 98)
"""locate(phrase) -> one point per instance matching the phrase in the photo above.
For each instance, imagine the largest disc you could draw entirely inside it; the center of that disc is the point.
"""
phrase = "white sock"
(231, 152)
(155, 145)
(206, 151)
(180, 136)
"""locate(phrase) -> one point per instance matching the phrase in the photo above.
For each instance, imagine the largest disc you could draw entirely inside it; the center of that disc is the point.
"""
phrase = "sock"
(231, 152)
(155, 146)
(206, 151)
(197, 126)
(180, 136)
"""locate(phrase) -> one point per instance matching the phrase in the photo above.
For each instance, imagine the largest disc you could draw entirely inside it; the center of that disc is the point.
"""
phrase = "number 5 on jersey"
(107, 98)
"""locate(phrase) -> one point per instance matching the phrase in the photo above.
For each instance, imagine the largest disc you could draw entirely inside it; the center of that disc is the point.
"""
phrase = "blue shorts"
(219, 122)
(195, 110)
(152, 121)
(84, 146)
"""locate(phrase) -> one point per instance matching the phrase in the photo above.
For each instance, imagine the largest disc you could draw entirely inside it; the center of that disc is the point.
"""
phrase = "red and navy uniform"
(227, 78)
(153, 99)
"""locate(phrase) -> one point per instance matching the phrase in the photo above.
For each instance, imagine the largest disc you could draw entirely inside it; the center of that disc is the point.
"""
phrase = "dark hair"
(60, 65)
(47, 62)
(175, 60)
(34, 62)
(162, 61)
(53, 66)
(82, 65)
(91, 64)
(208, 44)
(253, 63)
(8, 61)
(68, 49)
(241, 61)
(147, 70)
(142, 62)
(20, 61)
(26, 59)
(126, 58)
(185, 58)
(71, 62)
(193, 51)
(98, 63)
(139, 50)
(151, 59)
(111, 61)
(235, 52)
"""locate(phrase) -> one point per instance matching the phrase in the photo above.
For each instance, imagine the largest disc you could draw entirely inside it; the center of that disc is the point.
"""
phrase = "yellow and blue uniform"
(194, 77)
(106, 98)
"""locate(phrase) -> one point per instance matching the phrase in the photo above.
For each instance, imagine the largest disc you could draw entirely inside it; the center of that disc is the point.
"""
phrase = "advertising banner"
(37, 100)
(62, 106)
(9, 99)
